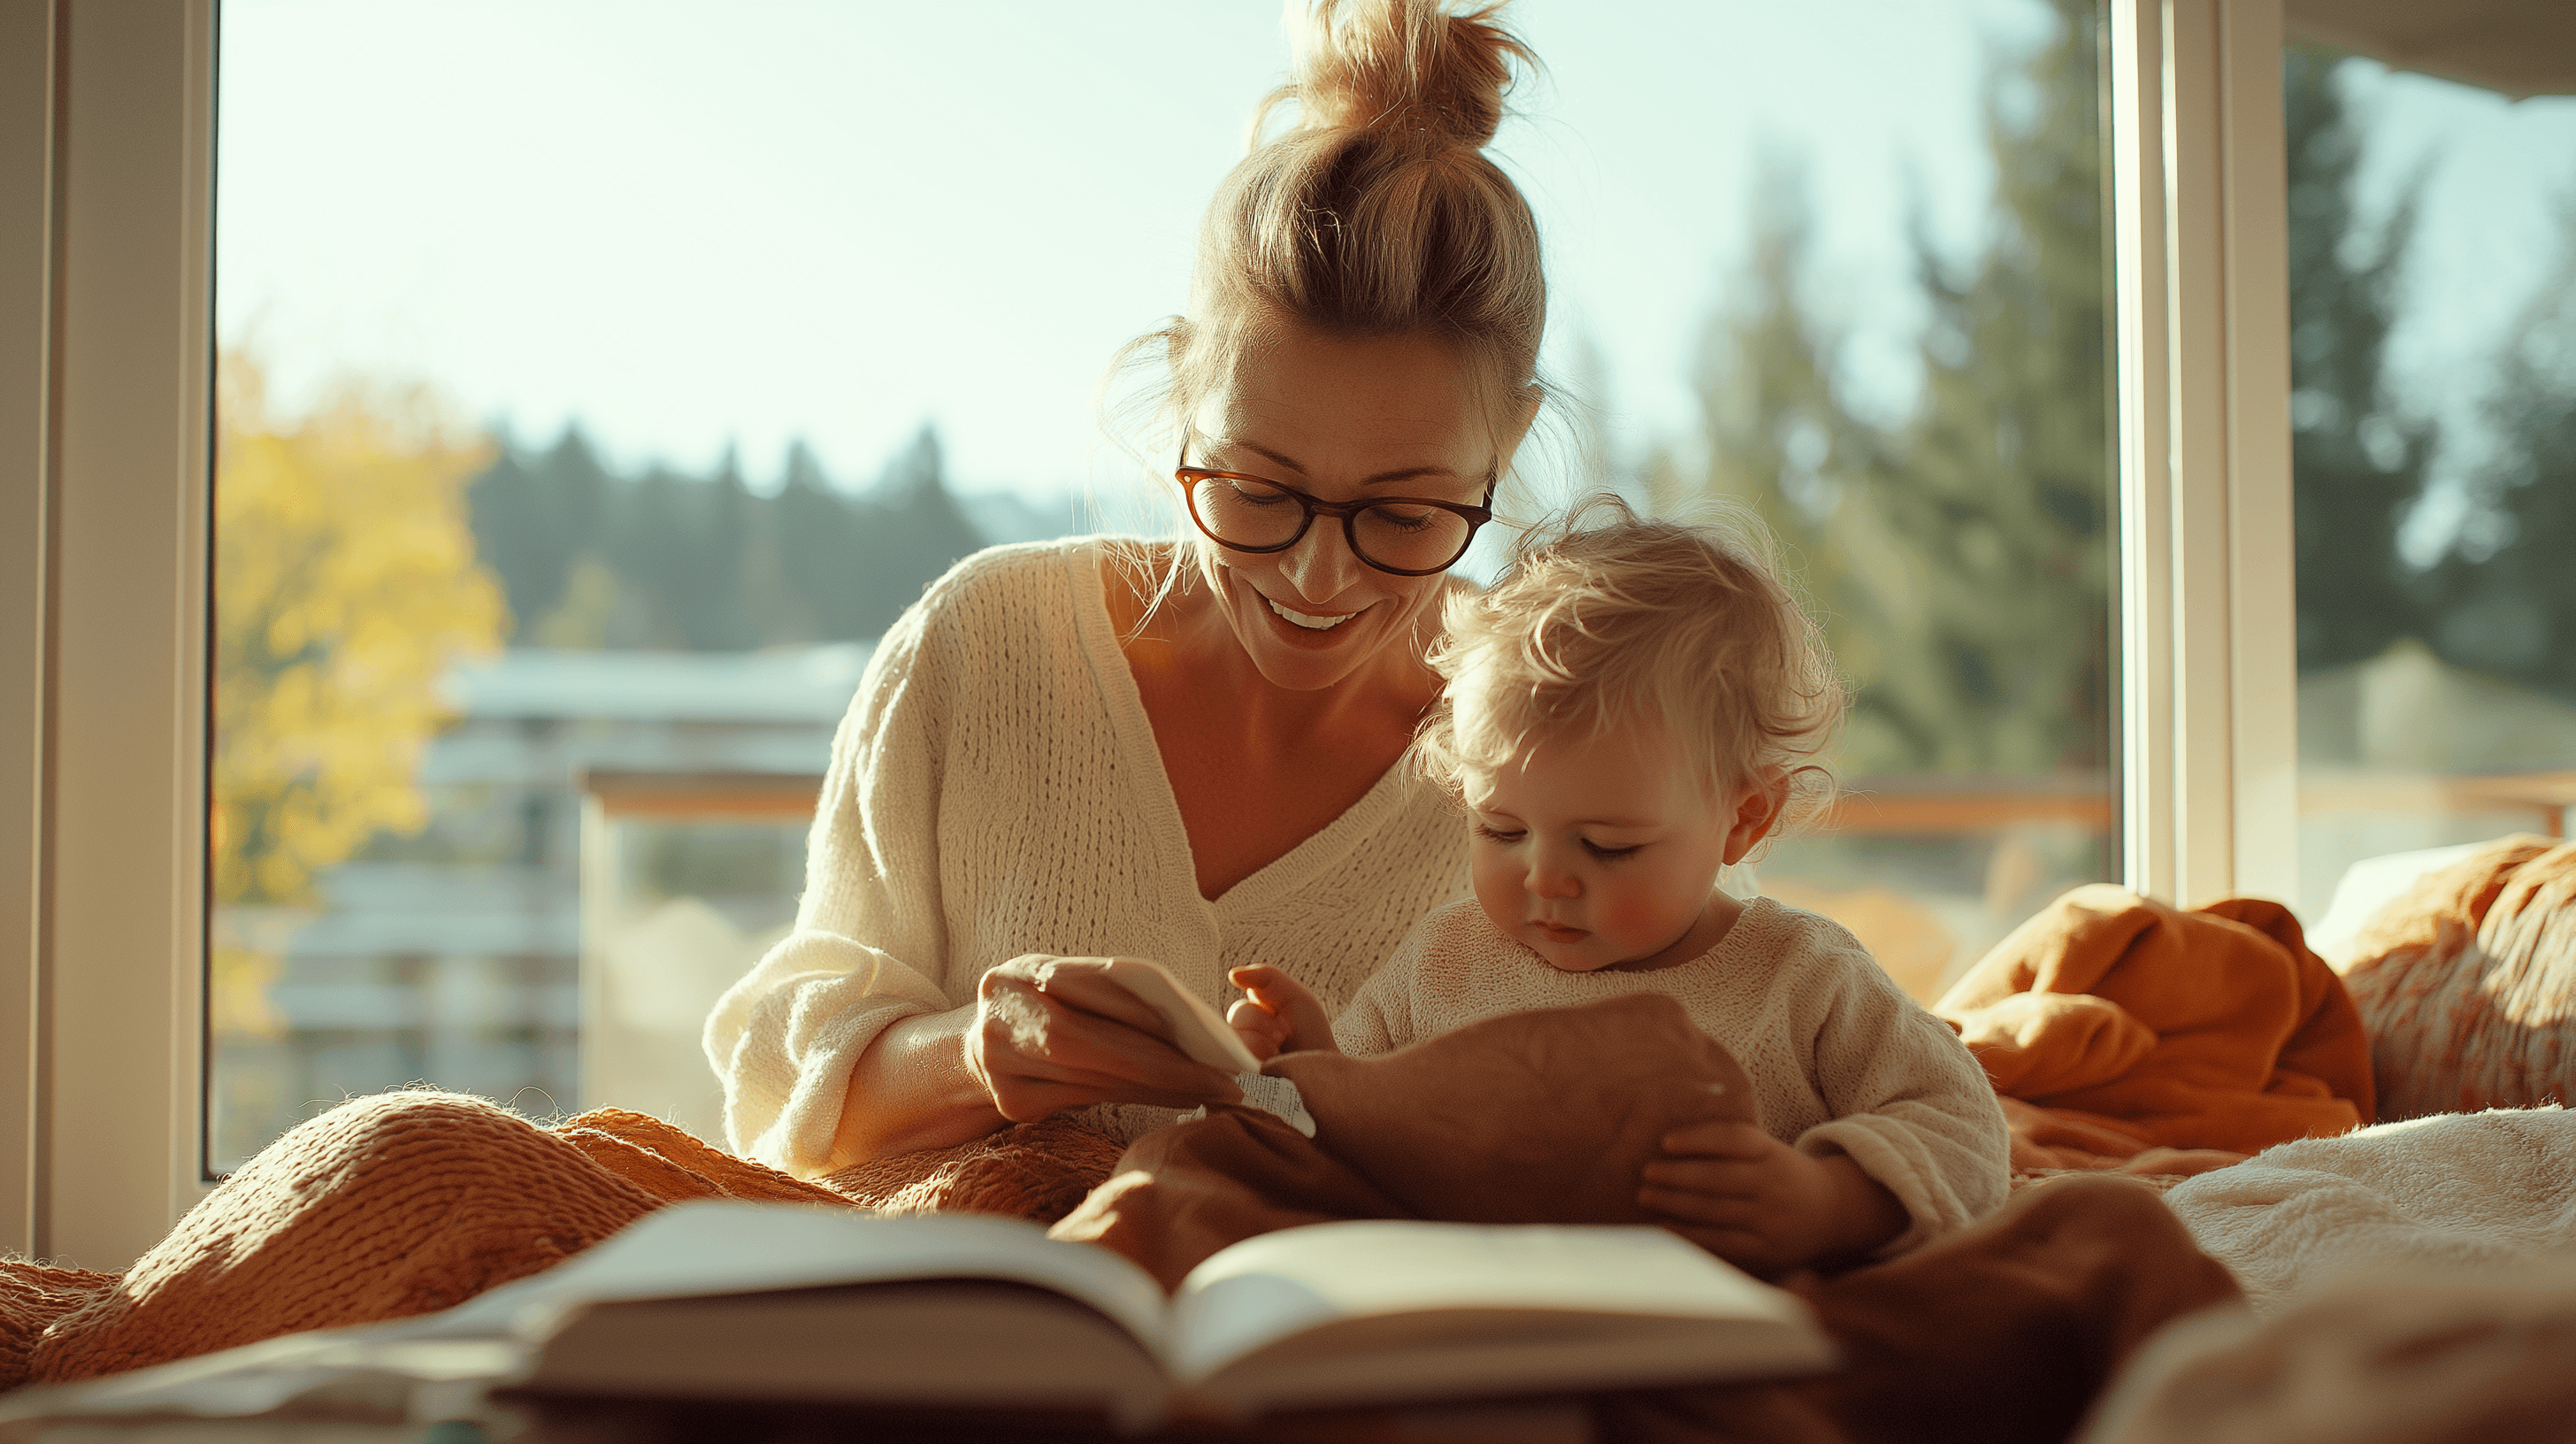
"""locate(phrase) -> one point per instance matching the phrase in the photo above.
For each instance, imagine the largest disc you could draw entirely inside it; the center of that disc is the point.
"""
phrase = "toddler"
(1632, 708)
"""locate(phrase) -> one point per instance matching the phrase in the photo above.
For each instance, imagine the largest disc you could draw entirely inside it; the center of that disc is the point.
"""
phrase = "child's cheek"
(1631, 916)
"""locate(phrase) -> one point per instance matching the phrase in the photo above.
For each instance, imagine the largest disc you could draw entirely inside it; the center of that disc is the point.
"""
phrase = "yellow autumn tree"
(345, 583)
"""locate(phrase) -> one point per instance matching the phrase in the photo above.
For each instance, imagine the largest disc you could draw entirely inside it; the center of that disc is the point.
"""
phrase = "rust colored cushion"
(2467, 984)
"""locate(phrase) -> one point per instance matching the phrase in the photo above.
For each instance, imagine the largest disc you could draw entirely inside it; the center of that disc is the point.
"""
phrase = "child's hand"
(1764, 1206)
(1277, 1015)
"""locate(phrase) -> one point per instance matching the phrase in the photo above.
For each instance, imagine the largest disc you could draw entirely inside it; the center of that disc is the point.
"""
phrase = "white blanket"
(2413, 1283)
(2460, 1190)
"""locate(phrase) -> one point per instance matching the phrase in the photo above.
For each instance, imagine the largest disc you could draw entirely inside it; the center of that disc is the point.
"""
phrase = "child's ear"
(1759, 800)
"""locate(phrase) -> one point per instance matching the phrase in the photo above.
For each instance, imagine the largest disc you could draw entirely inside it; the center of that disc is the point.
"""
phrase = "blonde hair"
(1607, 620)
(1376, 214)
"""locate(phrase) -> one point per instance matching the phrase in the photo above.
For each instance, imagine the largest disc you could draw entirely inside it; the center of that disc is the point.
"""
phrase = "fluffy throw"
(2479, 1189)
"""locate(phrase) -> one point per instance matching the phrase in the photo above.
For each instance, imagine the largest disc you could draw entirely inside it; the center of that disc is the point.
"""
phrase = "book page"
(703, 1249)
(945, 1343)
(1197, 1029)
(1278, 1285)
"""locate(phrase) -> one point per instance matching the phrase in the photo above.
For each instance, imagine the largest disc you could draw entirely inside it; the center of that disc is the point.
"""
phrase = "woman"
(1094, 748)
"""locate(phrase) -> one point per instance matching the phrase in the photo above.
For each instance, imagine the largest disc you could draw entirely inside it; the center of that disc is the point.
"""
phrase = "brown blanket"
(2004, 1332)
(2125, 1033)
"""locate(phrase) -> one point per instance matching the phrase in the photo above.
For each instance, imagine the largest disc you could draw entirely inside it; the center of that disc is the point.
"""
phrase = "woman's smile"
(1308, 631)
(1309, 620)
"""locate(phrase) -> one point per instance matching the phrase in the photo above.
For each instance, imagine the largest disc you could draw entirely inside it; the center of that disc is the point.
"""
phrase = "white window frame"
(2209, 660)
(106, 164)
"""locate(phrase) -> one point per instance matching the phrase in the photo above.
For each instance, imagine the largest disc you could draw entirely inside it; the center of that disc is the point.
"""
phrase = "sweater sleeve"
(1910, 1104)
(869, 947)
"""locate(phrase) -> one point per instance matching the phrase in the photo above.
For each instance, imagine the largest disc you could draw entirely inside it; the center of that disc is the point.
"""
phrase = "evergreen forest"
(588, 557)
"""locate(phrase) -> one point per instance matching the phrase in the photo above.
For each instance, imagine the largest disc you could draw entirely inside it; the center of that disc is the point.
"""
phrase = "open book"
(717, 1301)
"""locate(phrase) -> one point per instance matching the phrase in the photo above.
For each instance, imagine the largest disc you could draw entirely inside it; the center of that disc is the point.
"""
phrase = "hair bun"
(1400, 67)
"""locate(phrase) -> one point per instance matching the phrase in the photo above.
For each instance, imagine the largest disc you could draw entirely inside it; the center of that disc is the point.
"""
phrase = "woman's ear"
(1759, 801)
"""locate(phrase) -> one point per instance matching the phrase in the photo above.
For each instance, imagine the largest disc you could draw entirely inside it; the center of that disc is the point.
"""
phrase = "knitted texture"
(996, 791)
(1841, 1060)
(384, 1207)
(403, 1203)
(32, 1297)
(1037, 1171)
(2467, 984)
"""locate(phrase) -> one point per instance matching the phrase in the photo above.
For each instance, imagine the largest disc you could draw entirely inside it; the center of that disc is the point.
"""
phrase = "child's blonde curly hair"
(1606, 620)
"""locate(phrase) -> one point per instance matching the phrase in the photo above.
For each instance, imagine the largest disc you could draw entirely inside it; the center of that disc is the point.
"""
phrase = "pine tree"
(711, 598)
(1997, 494)
(2510, 593)
(911, 532)
(1963, 556)
(1780, 440)
(2357, 461)
(533, 518)
(811, 528)
(649, 548)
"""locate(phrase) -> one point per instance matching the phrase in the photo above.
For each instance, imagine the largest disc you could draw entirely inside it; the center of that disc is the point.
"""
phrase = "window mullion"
(2210, 796)
(28, 55)
(125, 957)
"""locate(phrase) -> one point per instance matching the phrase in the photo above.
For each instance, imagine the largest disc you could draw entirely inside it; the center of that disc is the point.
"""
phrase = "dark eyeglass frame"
(1349, 511)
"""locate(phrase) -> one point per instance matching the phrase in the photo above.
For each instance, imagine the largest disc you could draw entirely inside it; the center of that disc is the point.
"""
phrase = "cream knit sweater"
(1841, 1060)
(995, 790)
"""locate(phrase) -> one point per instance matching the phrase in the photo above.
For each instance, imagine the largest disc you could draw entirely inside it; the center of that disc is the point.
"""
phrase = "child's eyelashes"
(1507, 836)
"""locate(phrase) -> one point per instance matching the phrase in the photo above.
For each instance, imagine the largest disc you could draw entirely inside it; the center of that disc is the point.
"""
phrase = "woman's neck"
(1255, 769)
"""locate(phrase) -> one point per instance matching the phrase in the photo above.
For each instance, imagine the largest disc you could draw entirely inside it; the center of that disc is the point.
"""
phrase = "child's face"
(1603, 851)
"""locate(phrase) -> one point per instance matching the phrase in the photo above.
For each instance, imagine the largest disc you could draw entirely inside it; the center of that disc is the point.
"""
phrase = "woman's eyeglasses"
(1410, 536)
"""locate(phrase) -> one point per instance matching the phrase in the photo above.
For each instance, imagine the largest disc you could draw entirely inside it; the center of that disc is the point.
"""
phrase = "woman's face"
(1340, 419)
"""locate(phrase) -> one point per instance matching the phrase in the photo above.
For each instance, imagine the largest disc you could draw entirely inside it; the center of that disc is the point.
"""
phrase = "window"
(545, 429)
(111, 789)
(2433, 346)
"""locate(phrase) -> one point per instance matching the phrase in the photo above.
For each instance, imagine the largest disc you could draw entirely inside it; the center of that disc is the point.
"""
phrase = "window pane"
(592, 401)
(1904, 368)
(2433, 374)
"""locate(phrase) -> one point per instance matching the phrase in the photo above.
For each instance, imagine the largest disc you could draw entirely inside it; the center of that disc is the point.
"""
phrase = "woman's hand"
(1277, 1015)
(1052, 1033)
(1760, 1204)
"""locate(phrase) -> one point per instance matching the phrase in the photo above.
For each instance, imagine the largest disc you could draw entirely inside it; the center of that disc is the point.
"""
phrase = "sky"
(696, 227)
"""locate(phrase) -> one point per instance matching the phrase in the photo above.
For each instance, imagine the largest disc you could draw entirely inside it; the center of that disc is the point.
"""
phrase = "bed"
(2244, 1174)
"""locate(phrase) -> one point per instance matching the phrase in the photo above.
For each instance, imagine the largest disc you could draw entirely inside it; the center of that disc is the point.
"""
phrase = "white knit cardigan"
(995, 790)
(1840, 1059)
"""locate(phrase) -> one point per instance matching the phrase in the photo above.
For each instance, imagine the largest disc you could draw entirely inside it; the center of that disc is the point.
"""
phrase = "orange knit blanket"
(405, 1203)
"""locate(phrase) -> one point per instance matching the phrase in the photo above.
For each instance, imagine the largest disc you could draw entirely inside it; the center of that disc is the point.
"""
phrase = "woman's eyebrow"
(1407, 473)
